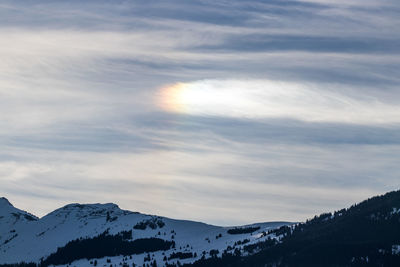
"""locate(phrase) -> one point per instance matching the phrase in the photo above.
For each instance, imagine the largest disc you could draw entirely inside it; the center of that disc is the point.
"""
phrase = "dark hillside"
(366, 234)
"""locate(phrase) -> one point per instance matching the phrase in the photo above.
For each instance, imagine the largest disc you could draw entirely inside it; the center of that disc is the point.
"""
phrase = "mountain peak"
(4, 202)
(78, 206)
(84, 210)
(8, 210)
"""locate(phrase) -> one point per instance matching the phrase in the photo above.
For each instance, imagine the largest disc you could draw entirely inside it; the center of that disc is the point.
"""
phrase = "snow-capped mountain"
(365, 234)
(26, 238)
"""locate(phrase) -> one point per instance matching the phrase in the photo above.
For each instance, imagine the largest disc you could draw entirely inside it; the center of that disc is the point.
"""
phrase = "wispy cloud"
(286, 105)
(272, 99)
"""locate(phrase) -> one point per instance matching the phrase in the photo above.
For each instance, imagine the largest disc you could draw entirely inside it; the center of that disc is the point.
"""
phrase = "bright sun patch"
(204, 97)
(272, 99)
(171, 97)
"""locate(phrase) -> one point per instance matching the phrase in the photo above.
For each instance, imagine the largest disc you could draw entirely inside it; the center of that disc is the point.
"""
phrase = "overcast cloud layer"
(228, 112)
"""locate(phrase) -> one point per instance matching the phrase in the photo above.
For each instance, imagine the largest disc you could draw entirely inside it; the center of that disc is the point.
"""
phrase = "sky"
(226, 112)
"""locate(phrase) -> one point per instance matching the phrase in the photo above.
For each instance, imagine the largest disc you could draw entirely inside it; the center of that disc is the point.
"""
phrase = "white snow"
(396, 249)
(31, 239)
(395, 211)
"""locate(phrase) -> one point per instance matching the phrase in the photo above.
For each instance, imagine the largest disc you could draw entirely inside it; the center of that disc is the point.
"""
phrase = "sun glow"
(171, 97)
(203, 97)
(273, 99)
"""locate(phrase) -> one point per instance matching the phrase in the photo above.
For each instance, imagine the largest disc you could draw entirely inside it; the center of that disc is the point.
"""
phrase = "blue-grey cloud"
(274, 130)
(158, 131)
(266, 43)
(80, 119)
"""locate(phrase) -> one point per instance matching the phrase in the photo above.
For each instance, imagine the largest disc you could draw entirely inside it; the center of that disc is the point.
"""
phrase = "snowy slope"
(11, 220)
(24, 237)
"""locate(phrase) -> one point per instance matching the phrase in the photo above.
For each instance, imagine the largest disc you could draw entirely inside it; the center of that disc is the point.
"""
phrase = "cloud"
(316, 44)
(273, 99)
(269, 178)
(291, 109)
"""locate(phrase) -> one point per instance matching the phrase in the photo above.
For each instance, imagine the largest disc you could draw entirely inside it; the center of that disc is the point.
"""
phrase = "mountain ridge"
(365, 234)
(43, 237)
